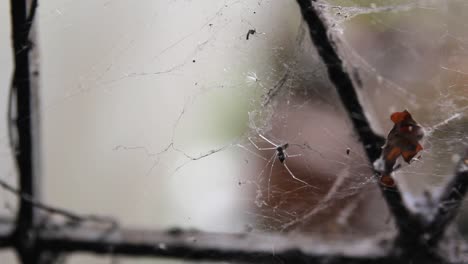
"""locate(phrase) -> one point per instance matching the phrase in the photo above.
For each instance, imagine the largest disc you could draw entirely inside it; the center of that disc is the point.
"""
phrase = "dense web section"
(227, 121)
(412, 55)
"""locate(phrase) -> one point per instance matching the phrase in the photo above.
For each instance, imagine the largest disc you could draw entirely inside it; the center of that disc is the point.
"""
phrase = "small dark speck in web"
(250, 32)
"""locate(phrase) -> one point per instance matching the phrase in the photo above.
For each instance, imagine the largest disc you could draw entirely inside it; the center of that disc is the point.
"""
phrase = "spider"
(282, 156)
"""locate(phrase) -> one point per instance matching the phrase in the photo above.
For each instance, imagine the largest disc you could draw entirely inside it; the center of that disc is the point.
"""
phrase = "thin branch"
(450, 201)
(73, 217)
(195, 245)
(346, 89)
(339, 76)
(22, 16)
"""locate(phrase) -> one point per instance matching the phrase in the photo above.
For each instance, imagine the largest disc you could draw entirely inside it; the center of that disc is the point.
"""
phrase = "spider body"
(280, 152)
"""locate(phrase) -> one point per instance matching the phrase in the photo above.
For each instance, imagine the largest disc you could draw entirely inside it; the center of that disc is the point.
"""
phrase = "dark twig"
(24, 237)
(195, 245)
(412, 241)
(73, 217)
(450, 201)
(347, 91)
(341, 79)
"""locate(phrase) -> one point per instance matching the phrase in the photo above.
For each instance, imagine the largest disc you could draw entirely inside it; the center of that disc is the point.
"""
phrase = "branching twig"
(73, 217)
(450, 201)
(196, 245)
(413, 228)
(347, 91)
(341, 79)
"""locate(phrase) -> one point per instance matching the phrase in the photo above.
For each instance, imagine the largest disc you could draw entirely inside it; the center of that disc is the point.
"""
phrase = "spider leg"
(269, 141)
(264, 167)
(251, 152)
(271, 172)
(291, 156)
(259, 148)
(294, 177)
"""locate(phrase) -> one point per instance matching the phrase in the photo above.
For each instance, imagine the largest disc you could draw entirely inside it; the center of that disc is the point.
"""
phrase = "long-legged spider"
(282, 156)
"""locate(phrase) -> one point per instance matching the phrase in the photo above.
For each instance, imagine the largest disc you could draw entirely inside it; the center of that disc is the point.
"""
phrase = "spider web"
(149, 121)
(412, 55)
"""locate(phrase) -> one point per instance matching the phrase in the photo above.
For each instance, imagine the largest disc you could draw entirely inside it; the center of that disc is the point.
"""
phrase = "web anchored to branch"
(412, 226)
(304, 161)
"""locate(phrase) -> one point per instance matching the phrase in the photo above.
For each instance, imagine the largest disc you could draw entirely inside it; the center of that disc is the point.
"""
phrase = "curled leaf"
(403, 140)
